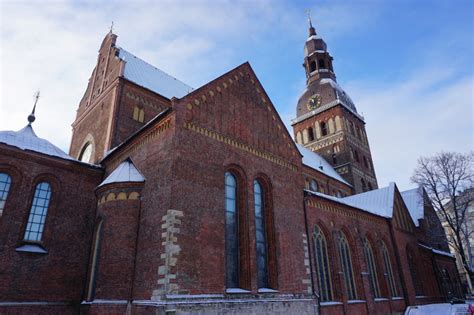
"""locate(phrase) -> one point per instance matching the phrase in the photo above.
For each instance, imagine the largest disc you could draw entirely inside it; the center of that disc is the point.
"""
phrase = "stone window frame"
(38, 213)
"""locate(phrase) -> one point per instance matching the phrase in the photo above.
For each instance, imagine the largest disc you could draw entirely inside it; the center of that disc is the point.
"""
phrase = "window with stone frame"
(5, 184)
(323, 271)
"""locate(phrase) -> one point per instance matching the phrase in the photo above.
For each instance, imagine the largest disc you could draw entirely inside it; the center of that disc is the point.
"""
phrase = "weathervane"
(308, 12)
(112, 27)
(31, 117)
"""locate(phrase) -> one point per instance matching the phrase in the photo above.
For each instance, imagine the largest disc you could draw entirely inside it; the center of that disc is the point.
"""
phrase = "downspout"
(310, 254)
(399, 264)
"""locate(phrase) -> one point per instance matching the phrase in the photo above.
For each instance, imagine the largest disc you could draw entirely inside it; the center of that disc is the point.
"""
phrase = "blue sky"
(408, 65)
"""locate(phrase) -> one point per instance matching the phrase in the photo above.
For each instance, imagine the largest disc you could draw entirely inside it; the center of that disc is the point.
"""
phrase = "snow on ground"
(438, 309)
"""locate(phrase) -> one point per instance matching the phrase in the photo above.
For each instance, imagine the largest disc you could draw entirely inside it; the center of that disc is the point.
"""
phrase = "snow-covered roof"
(313, 37)
(152, 78)
(414, 202)
(318, 163)
(378, 201)
(437, 251)
(126, 172)
(342, 96)
(26, 139)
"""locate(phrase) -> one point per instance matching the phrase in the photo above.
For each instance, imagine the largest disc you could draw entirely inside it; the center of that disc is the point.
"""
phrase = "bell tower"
(327, 121)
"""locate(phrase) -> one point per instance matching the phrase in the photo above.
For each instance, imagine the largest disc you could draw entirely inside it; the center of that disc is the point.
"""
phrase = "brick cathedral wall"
(60, 274)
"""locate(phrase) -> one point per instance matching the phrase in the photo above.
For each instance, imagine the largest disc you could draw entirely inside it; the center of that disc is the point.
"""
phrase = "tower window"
(313, 185)
(356, 155)
(38, 211)
(312, 66)
(324, 129)
(5, 183)
(310, 134)
(86, 153)
(366, 164)
(370, 186)
(321, 64)
(363, 184)
(139, 114)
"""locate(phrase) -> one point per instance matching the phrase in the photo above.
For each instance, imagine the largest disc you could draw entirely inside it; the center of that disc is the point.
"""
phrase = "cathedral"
(181, 200)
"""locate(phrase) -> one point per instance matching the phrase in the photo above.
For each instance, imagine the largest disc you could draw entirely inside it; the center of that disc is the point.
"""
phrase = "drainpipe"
(310, 253)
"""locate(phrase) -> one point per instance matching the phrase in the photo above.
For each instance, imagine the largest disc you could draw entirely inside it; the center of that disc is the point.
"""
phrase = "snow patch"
(126, 172)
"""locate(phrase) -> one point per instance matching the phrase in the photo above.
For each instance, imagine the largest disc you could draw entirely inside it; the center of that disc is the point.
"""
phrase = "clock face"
(314, 102)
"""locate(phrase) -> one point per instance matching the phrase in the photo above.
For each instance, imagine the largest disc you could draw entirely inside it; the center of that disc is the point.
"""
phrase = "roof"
(142, 73)
(341, 95)
(414, 201)
(126, 172)
(26, 139)
(318, 163)
(378, 201)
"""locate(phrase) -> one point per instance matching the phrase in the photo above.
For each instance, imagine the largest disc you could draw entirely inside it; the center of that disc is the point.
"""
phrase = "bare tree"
(446, 177)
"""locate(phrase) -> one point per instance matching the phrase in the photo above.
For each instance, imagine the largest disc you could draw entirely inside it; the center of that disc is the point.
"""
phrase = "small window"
(312, 66)
(38, 212)
(363, 184)
(321, 64)
(310, 134)
(356, 155)
(366, 164)
(370, 186)
(334, 159)
(313, 186)
(138, 114)
(5, 183)
(324, 129)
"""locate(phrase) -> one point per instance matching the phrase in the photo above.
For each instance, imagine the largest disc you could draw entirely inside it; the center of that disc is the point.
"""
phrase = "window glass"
(38, 212)
(369, 258)
(262, 270)
(5, 183)
(322, 265)
(347, 270)
(86, 153)
(388, 271)
(232, 256)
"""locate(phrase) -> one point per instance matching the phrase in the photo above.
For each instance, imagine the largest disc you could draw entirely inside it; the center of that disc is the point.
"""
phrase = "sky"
(407, 65)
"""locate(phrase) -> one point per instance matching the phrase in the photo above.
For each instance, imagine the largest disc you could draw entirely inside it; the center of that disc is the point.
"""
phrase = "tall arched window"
(38, 212)
(372, 269)
(86, 153)
(231, 237)
(322, 265)
(261, 240)
(321, 64)
(389, 271)
(346, 264)
(5, 183)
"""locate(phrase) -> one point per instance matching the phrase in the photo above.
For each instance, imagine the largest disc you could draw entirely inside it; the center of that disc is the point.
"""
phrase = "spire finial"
(112, 27)
(31, 117)
(312, 31)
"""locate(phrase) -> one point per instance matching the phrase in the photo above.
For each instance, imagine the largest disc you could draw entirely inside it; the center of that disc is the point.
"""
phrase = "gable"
(236, 107)
(401, 216)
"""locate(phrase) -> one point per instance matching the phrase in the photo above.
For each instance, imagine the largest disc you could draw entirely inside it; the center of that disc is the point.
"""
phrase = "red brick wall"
(58, 275)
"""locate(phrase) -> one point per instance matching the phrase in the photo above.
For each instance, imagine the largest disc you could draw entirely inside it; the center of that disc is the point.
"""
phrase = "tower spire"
(312, 31)
(31, 117)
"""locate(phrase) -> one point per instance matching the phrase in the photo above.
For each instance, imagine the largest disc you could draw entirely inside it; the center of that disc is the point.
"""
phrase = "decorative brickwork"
(167, 272)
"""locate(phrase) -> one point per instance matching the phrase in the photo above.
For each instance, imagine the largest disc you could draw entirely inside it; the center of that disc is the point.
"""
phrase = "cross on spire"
(312, 31)
(31, 117)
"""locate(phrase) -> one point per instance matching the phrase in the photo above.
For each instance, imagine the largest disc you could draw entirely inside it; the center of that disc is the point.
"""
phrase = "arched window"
(138, 114)
(312, 66)
(38, 212)
(324, 129)
(366, 164)
(389, 271)
(363, 184)
(414, 274)
(95, 257)
(5, 183)
(262, 255)
(86, 153)
(372, 269)
(346, 264)
(313, 185)
(310, 134)
(356, 155)
(370, 186)
(231, 237)
(322, 265)
(321, 64)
